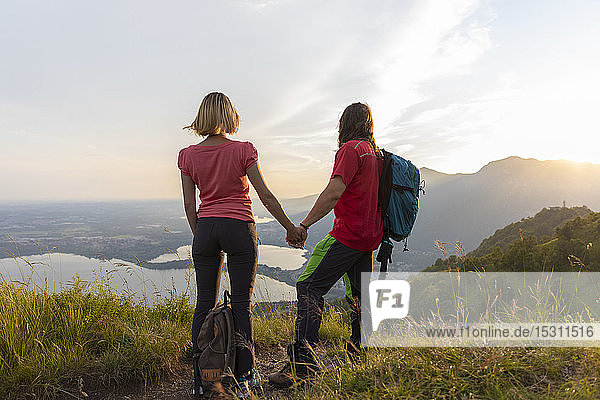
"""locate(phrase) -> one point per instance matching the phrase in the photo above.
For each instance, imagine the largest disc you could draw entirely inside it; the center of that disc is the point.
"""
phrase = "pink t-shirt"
(219, 172)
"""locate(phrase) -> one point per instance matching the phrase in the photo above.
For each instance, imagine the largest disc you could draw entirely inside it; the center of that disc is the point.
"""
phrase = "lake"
(56, 271)
(273, 256)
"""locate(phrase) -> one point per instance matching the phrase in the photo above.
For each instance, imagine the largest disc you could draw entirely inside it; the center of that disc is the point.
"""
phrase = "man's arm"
(189, 200)
(326, 200)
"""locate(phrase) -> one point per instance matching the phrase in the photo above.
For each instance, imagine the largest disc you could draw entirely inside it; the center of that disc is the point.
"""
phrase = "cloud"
(261, 4)
(126, 82)
(399, 48)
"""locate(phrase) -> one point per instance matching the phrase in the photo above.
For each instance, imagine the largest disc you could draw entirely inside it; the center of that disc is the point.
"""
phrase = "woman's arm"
(272, 204)
(189, 200)
(326, 201)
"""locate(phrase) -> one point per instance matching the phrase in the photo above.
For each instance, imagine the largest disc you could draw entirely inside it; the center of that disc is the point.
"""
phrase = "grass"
(52, 344)
(461, 373)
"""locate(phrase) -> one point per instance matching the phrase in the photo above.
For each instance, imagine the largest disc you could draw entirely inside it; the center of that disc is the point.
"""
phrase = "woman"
(224, 222)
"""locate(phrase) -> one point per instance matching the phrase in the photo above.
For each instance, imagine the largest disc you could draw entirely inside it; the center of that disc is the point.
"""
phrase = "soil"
(177, 385)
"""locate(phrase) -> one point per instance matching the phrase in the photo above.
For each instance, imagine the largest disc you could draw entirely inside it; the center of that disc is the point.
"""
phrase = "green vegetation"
(459, 373)
(54, 345)
(542, 226)
(574, 246)
(50, 343)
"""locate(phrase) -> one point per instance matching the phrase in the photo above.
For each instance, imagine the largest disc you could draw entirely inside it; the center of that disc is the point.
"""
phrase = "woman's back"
(220, 168)
(219, 172)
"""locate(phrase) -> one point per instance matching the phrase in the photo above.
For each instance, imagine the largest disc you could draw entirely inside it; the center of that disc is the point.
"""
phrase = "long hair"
(215, 115)
(356, 123)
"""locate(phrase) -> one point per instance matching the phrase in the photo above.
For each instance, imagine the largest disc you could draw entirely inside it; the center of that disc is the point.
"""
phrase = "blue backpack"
(398, 201)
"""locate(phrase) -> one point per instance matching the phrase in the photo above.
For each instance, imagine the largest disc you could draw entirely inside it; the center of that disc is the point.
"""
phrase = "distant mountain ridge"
(470, 207)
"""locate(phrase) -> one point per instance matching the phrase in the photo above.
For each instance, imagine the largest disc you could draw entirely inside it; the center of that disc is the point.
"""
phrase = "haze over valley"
(464, 208)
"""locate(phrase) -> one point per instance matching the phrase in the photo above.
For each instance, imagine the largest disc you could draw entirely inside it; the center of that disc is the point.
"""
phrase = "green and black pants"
(330, 261)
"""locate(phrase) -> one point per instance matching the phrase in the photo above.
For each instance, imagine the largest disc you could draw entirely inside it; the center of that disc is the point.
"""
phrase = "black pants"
(329, 261)
(237, 238)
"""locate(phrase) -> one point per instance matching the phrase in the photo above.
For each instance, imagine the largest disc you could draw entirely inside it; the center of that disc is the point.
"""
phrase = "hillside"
(574, 246)
(542, 225)
(87, 342)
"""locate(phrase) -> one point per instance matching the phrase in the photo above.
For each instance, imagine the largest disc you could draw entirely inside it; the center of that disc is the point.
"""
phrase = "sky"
(94, 95)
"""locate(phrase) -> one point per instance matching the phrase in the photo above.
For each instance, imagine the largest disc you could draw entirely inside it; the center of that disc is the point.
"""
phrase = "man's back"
(357, 223)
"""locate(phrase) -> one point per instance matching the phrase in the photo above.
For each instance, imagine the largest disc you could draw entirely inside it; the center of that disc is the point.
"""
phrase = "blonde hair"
(216, 115)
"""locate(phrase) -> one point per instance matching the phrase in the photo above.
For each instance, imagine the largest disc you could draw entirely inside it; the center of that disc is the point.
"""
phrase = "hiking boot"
(303, 359)
(283, 378)
(242, 390)
(253, 378)
(302, 365)
(197, 389)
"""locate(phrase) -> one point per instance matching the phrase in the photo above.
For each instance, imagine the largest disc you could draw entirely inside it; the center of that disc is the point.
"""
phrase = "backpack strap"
(231, 355)
(358, 144)
(385, 184)
(383, 200)
(226, 298)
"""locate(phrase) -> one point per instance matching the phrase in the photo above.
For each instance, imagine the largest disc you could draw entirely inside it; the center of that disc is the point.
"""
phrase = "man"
(348, 249)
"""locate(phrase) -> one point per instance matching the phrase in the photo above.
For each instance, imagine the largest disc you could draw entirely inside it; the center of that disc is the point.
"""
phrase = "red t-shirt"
(357, 223)
(219, 172)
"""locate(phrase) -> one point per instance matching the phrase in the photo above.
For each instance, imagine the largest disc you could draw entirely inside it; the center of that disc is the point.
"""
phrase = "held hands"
(296, 237)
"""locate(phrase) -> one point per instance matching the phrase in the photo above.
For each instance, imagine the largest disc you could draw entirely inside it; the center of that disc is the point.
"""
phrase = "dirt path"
(177, 386)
